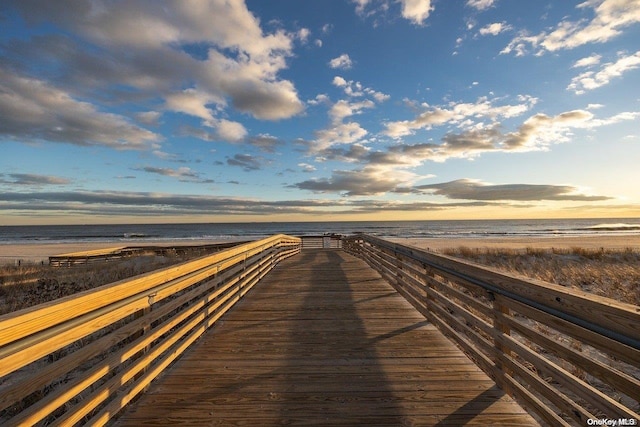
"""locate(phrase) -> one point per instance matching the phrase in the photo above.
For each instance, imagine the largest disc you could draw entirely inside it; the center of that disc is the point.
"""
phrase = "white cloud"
(343, 61)
(360, 182)
(342, 109)
(494, 29)
(149, 117)
(611, 17)
(145, 41)
(306, 167)
(416, 11)
(592, 80)
(468, 189)
(33, 110)
(480, 4)
(588, 61)
(536, 133)
(339, 81)
(456, 114)
(303, 35)
(191, 102)
(361, 5)
(356, 89)
(338, 133)
(229, 130)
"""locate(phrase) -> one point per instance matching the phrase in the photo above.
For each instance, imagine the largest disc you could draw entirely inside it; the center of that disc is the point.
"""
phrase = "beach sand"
(564, 242)
(11, 253)
(34, 252)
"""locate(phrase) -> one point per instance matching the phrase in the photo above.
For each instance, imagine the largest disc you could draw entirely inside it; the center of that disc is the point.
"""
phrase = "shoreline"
(39, 252)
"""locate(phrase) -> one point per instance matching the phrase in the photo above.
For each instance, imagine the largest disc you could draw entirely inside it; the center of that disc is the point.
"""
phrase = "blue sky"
(149, 111)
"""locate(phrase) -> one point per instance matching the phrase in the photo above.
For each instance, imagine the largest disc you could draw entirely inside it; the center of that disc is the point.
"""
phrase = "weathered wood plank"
(324, 340)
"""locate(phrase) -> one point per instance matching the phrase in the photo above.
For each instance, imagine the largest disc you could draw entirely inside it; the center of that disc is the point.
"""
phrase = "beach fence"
(569, 357)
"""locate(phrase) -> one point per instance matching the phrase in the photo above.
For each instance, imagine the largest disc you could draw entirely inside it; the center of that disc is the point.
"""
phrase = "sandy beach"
(11, 253)
(33, 252)
(564, 242)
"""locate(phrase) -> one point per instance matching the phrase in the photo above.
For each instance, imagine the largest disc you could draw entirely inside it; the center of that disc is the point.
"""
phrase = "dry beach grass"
(30, 283)
(612, 273)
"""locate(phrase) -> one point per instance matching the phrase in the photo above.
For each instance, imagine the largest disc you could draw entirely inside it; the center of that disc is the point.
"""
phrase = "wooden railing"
(82, 358)
(566, 355)
(114, 254)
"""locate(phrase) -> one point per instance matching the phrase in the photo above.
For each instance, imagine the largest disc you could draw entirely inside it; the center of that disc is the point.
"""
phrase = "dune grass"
(611, 273)
(32, 283)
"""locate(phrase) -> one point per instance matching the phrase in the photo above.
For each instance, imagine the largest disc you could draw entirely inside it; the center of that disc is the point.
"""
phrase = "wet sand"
(11, 253)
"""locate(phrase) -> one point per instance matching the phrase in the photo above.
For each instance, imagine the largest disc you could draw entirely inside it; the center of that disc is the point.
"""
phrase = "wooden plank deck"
(324, 340)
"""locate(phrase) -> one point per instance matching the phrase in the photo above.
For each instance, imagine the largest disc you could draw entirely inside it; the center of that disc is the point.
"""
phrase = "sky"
(237, 111)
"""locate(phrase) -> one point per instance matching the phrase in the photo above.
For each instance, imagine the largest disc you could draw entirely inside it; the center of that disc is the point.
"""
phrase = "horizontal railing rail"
(82, 358)
(566, 355)
(123, 252)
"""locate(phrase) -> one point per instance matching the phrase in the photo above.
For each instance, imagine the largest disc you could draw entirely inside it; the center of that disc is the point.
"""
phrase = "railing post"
(143, 331)
(398, 271)
(500, 309)
(428, 297)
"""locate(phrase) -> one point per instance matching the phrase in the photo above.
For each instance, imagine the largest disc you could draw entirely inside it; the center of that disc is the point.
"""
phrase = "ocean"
(256, 230)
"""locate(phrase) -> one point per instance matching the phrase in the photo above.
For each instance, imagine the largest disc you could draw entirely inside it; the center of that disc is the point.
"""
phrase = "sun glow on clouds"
(284, 111)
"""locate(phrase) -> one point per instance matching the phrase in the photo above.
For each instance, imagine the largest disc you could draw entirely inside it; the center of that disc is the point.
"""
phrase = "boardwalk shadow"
(349, 386)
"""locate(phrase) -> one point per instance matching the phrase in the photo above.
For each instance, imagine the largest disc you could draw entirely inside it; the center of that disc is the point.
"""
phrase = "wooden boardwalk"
(324, 340)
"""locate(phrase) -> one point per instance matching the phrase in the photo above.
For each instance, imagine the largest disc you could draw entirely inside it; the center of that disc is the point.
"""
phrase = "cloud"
(537, 132)
(149, 118)
(303, 35)
(266, 143)
(343, 62)
(145, 48)
(416, 11)
(362, 182)
(33, 110)
(36, 180)
(467, 189)
(494, 29)
(228, 130)
(480, 4)
(342, 109)
(246, 162)
(145, 204)
(338, 133)
(456, 114)
(588, 61)
(610, 18)
(184, 174)
(356, 89)
(361, 5)
(192, 102)
(590, 80)
(306, 167)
